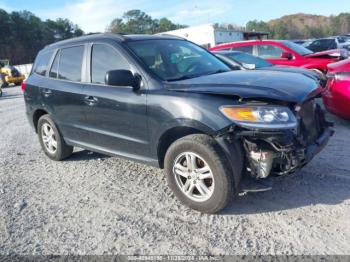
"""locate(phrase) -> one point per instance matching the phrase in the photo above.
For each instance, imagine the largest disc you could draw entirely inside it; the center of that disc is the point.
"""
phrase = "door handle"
(90, 100)
(47, 92)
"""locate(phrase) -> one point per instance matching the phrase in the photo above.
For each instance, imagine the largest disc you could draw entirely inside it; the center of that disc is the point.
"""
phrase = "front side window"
(42, 63)
(245, 49)
(103, 59)
(269, 51)
(70, 63)
(173, 60)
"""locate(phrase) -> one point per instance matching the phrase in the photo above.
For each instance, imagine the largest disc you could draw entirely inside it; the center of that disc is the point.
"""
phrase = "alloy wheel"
(49, 138)
(193, 176)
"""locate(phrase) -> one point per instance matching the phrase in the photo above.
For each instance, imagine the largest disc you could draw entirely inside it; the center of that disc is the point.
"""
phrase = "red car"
(336, 96)
(283, 52)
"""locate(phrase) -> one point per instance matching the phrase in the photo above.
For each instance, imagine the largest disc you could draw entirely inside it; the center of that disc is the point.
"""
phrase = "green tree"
(22, 35)
(138, 22)
(258, 26)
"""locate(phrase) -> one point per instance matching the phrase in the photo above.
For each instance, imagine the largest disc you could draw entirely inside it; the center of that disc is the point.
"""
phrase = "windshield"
(301, 50)
(173, 60)
(244, 58)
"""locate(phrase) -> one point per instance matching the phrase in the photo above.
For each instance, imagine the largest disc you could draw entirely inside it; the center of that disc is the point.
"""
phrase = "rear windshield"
(301, 50)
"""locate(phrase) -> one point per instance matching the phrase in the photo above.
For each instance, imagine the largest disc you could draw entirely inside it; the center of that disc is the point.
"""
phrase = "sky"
(95, 15)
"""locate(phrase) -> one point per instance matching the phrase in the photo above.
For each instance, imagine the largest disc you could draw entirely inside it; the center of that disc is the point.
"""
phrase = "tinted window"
(42, 63)
(269, 51)
(105, 58)
(245, 49)
(54, 68)
(70, 63)
(174, 60)
(323, 44)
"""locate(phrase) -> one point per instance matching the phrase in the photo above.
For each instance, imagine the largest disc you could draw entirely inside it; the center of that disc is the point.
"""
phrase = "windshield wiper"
(196, 75)
(183, 77)
(218, 72)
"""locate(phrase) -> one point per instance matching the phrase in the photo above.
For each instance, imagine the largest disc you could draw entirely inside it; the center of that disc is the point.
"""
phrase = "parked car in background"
(170, 103)
(244, 61)
(336, 96)
(283, 52)
(329, 43)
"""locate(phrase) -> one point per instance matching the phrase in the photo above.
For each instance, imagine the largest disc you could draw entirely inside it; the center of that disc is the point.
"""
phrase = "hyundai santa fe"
(169, 103)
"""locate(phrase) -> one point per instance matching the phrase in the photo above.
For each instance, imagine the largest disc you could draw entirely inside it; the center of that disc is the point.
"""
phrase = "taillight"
(23, 86)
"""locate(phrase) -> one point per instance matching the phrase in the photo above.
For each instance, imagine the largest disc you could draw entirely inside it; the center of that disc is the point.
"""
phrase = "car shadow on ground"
(295, 191)
(83, 155)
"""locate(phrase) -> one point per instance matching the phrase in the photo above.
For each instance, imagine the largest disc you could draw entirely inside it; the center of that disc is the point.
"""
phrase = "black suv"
(169, 103)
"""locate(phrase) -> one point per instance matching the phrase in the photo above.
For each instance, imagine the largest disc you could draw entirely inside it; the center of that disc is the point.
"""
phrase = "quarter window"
(42, 63)
(103, 59)
(269, 51)
(70, 63)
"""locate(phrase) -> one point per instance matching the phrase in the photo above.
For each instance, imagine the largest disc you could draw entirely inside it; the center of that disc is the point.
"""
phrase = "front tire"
(51, 140)
(198, 173)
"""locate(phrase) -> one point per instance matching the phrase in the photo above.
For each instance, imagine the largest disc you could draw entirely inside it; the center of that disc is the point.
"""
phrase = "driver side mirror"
(287, 55)
(123, 78)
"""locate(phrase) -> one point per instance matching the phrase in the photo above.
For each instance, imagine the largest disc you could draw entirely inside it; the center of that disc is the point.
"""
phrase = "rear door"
(116, 116)
(63, 92)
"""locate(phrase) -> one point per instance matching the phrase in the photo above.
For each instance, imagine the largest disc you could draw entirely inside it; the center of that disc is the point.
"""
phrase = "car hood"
(342, 66)
(254, 84)
(334, 53)
(291, 69)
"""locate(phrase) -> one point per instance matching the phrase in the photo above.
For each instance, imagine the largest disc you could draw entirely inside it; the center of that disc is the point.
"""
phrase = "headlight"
(266, 117)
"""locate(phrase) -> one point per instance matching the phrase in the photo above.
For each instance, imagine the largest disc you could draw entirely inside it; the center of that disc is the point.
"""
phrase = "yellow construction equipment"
(9, 74)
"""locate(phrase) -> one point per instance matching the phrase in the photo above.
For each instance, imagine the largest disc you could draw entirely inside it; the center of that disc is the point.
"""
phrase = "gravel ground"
(93, 204)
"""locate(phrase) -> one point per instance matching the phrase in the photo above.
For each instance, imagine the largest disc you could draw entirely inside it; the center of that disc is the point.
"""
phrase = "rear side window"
(103, 59)
(70, 63)
(42, 63)
(245, 49)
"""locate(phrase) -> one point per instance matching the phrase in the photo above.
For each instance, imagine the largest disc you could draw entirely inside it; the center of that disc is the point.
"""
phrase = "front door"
(116, 116)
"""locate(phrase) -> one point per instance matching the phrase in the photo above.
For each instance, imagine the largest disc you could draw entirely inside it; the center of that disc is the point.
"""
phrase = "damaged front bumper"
(281, 152)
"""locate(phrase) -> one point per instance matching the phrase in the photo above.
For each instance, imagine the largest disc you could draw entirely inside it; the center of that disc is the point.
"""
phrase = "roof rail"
(170, 35)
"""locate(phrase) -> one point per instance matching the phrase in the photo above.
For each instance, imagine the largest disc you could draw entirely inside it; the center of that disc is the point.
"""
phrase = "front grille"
(311, 119)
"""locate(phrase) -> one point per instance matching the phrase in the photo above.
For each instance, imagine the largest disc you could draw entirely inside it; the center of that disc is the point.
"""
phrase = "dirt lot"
(93, 204)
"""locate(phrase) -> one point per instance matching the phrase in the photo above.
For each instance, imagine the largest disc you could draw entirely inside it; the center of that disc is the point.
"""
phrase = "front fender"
(178, 123)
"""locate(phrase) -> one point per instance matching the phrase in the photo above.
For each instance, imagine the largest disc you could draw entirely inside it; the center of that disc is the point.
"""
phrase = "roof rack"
(170, 35)
(87, 36)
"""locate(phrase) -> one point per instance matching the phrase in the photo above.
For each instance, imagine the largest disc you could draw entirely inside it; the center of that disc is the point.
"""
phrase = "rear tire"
(51, 140)
(207, 183)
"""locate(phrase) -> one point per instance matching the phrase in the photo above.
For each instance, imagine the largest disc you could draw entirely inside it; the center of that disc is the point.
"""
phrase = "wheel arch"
(170, 136)
(36, 116)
